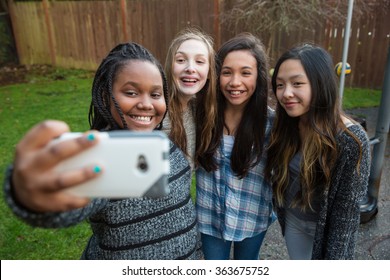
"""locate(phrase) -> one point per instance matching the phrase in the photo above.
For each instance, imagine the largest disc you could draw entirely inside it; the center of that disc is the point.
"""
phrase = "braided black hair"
(100, 116)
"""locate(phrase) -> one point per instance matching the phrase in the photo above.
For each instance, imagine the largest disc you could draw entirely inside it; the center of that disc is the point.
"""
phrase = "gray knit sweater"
(339, 217)
(136, 228)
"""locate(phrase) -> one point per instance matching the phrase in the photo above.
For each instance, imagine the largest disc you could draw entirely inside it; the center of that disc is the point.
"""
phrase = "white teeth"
(235, 92)
(189, 80)
(142, 118)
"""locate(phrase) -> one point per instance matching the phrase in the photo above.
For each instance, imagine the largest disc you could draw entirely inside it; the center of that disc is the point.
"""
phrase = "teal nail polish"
(90, 137)
(97, 169)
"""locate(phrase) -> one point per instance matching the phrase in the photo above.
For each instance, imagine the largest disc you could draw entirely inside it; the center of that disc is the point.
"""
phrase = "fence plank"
(80, 33)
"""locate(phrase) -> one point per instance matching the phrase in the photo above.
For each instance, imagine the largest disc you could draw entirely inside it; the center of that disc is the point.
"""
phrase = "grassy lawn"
(48, 97)
(21, 106)
(360, 98)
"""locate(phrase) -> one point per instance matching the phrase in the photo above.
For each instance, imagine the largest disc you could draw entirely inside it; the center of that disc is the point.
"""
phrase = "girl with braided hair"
(129, 92)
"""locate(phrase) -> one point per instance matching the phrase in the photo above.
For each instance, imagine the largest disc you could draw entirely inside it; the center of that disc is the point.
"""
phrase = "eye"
(201, 62)
(297, 84)
(279, 86)
(246, 73)
(225, 73)
(131, 93)
(180, 59)
(156, 95)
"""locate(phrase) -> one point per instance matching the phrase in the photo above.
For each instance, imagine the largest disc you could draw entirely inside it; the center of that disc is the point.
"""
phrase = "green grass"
(360, 98)
(64, 95)
(21, 106)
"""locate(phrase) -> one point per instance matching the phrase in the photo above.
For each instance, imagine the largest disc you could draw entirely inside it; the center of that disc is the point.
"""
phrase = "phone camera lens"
(142, 164)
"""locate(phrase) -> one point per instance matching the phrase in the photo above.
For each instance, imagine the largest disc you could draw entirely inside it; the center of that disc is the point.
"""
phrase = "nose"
(190, 67)
(288, 92)
(145, 103)
(235, 81)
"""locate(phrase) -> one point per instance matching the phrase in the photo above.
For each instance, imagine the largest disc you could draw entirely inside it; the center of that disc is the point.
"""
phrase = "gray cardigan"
(136, 228)
(339, 217)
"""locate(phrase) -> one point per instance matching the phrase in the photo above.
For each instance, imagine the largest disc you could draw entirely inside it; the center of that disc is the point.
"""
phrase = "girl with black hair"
(129, 92)
(234, 202)
(318, 160)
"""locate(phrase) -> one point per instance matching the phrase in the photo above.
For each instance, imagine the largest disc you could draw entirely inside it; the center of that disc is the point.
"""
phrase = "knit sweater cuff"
(17, 208)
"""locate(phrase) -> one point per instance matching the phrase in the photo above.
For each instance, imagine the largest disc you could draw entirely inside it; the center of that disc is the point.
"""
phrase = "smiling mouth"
(188, 81)
(236, 92)
(290, 104)
(141, 118)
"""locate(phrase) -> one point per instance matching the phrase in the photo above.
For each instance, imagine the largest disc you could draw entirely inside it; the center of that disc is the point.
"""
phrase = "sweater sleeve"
(349, 187)
(48, 219)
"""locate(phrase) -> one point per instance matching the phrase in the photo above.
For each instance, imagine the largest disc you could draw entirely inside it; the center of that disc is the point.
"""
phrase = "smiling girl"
(191, 75)
(129, 92)
(320, 159)
(234, 202)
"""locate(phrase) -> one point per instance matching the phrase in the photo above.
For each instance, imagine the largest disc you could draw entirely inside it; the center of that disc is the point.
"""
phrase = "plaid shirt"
(231, 208)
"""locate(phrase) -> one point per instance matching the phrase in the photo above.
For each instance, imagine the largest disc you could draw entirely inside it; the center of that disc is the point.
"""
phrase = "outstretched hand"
(36, 185)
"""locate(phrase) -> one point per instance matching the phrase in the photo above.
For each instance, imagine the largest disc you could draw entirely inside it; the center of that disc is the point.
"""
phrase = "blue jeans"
(219, 249)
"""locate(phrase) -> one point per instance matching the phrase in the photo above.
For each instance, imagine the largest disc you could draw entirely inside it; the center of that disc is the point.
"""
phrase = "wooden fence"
(78, 34)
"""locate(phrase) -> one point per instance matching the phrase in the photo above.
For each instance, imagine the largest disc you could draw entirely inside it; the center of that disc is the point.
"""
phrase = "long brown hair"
(204, 103)
(319, 147)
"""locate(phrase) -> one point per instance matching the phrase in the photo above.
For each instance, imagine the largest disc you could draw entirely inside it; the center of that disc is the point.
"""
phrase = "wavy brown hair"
(203, 105)
(319, 147)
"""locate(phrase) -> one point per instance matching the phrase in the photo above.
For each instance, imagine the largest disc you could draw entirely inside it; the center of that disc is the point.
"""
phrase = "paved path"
(374, 236)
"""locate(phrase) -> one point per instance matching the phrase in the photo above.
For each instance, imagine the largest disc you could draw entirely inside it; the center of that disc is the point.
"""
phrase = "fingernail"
(91, 137)
(97, 169)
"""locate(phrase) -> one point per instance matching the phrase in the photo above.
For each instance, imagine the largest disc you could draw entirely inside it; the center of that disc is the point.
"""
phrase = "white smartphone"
(136, 164)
